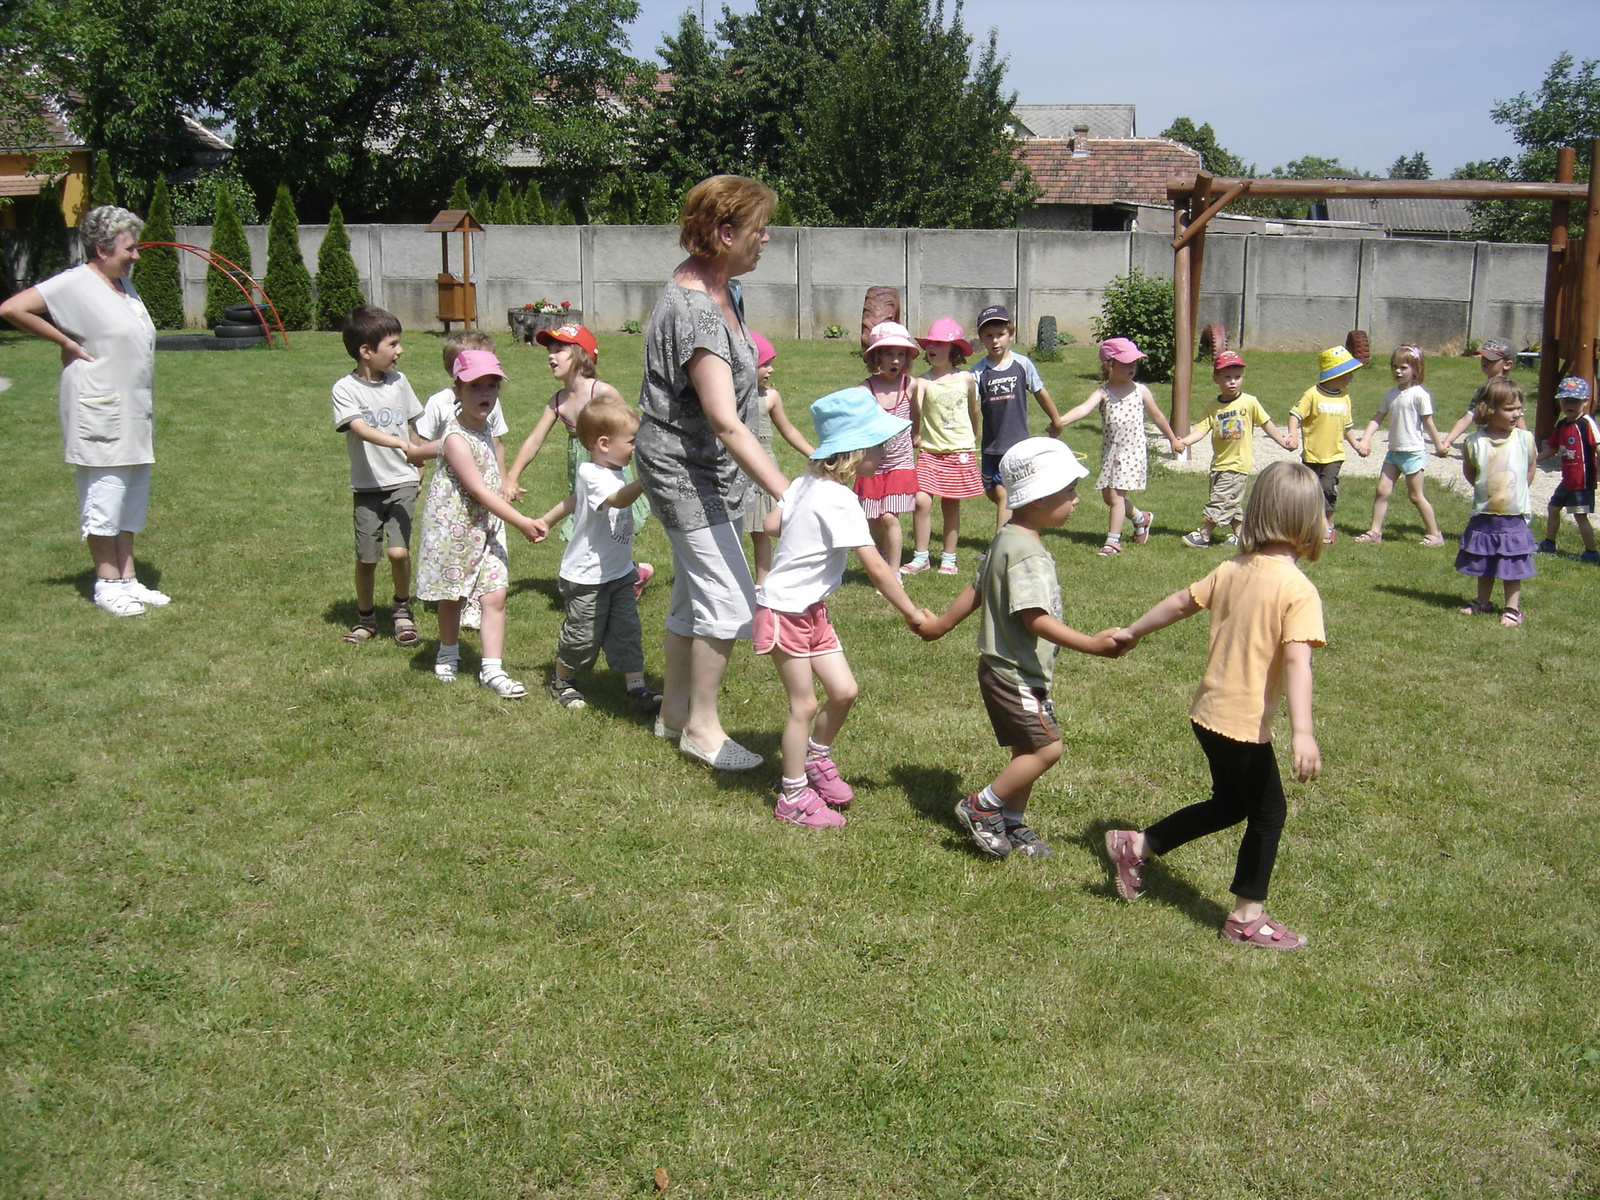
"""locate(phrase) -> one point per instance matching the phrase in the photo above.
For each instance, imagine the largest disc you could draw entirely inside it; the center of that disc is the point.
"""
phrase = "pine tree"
(156, 273)
(48, 251)
(482, 206)
(287, 281)
(228, 241)
(338, 285)
(105, 188)
(534, 211)
(458, 196)
(504, 211)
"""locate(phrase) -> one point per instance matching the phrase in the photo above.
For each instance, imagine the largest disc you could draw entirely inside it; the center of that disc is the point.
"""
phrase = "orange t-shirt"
(1258, 604)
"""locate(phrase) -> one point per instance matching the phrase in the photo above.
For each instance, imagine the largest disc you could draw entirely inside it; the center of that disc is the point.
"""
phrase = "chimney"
(1080, 141)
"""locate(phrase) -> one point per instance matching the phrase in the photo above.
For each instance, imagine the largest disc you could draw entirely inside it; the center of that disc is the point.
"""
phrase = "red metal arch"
(234, 273)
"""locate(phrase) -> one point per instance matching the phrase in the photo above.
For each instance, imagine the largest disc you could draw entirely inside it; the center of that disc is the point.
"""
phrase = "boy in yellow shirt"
(1231, 420)
(1323, 418)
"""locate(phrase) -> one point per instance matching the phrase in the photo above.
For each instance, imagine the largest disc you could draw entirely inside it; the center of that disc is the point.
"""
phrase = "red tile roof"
(1130, 169)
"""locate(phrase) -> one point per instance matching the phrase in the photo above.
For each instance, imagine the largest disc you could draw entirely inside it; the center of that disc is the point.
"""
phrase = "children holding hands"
(947, 466)
(1266, 617)
(818, 522)
(1021, 631)
(1231, 419)
(1410, 410)
(1321, 423)
(1124, 458)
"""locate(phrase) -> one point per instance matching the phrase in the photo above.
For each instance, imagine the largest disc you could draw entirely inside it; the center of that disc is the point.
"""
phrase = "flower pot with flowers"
(528, 320)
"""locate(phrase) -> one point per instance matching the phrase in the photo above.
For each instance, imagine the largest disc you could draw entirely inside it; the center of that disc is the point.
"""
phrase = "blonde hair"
(1498, 393)
(584, 360)
(1412, 356)
(605, 417)
(1286, 508)
(840, 467)
(464, 339)
(722, 200)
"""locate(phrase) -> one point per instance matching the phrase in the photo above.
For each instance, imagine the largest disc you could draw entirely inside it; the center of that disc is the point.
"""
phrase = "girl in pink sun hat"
(1124, 457)
(892, 490)
(947, 466)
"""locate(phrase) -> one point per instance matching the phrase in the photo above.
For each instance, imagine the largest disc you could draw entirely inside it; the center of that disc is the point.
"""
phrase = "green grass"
(282, 917)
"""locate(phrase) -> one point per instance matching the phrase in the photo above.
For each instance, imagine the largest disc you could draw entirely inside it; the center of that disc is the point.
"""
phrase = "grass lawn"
(282, 917)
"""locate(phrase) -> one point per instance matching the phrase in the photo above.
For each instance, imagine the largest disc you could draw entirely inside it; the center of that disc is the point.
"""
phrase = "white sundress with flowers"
(463, 555)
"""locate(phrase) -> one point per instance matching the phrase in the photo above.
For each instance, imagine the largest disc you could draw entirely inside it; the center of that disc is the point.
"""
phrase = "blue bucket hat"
(850, 419)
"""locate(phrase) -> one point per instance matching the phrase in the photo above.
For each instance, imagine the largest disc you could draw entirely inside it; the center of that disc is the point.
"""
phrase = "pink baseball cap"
(947, 329)
(1120, 350)
(764, 351)
(475, 364)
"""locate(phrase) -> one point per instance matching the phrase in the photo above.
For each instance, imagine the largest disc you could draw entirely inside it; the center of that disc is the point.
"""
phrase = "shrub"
(48, 251)
(505, 210)
(105, 188)
(287, 281)
(227, 241)
(1139, 307)
(534, 209)
(156, 273)
(458, 196)
(338, 285)
(196, 203)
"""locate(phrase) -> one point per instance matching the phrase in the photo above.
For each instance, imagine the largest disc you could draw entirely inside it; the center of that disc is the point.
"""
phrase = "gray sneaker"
(986, 826)
(1026, 842)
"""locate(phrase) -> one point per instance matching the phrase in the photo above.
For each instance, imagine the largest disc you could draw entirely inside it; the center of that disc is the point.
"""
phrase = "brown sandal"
(405, 628)
(1477, 608)
(364, 630)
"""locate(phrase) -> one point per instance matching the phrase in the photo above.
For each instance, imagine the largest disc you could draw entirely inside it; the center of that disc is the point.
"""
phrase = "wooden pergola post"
(1581, 360)
(1556, 262)
(1182, 321)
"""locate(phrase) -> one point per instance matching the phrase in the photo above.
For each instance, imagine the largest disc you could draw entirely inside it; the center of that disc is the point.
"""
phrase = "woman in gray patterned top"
(698, 459)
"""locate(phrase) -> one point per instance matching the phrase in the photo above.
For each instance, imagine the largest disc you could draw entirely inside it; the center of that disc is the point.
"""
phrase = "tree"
(365, 100)
(872, 112)
(156, 273)
(459, 197)
(504, 209)
(1415, 167)
(48, 250)
(534, 210)
(1222, 163)
(338, 285)
(1565, 111)
(104, 190)
(287, 281)
(227, 241)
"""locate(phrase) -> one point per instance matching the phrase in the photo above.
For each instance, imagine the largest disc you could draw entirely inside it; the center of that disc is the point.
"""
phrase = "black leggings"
(1244, 787)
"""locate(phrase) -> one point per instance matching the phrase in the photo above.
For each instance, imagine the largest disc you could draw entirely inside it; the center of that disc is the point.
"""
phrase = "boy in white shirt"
(597, 574)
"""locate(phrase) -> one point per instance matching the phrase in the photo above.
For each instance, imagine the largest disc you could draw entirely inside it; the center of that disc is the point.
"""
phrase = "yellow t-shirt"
(1323, 420)
(1233, 432)
(1258, 604)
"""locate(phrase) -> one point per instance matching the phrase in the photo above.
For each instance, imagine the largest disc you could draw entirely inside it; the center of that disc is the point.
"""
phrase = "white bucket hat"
(1038, 467)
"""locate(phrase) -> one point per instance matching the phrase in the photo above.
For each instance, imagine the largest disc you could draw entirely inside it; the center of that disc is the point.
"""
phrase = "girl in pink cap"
(1124, 457)
(947, 466)
(892, 490)
(770, 415)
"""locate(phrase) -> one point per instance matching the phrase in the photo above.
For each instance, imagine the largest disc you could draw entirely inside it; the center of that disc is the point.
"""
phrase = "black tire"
(185, 341)
(236, 331)
(1048, 341)
(1359, 345)
(1213, 341)
(243, 314)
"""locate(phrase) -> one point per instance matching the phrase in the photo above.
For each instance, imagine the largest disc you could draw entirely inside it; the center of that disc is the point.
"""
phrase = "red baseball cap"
(577, 335)
(1228, 358)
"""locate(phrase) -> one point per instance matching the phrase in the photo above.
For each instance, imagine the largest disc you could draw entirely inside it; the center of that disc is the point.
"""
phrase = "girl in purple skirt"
(1499, 461)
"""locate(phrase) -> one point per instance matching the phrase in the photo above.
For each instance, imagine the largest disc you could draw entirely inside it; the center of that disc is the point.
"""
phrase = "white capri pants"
(113, 500)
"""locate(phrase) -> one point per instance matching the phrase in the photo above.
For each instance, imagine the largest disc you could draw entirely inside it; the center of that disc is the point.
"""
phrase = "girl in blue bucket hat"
(818, 522)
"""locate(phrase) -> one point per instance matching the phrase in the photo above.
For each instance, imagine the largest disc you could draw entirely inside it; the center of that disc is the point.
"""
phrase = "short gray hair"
(102, 226)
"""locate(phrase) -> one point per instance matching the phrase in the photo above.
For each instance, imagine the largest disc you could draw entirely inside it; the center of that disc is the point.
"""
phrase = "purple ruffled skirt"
(1496, 547)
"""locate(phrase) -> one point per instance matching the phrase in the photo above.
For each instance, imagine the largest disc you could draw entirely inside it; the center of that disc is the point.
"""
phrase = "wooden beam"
(1197, 227)
(1182, 328)
(1581, 360)
(1556, 261)
(1202, 193)
(1180, 187)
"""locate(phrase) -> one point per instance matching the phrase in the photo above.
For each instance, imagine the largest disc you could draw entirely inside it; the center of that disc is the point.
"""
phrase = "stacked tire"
(241, 323)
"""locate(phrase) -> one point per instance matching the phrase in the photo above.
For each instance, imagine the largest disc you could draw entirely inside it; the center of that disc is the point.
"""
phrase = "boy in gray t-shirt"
(1022, 629)
(375, 408)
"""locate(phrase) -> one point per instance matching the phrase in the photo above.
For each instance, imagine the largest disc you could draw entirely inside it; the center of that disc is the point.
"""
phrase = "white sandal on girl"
(502, 684)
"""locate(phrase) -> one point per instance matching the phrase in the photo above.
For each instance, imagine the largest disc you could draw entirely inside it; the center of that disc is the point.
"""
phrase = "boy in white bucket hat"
(1022, 629)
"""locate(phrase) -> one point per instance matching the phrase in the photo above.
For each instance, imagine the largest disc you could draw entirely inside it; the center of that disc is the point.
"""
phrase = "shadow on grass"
(931, 793)
(1432, 599)
(83, 581)
(548, 586)
(1160, 883)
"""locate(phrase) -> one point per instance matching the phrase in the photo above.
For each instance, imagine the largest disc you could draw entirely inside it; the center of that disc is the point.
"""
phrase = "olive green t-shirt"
(1017, 574)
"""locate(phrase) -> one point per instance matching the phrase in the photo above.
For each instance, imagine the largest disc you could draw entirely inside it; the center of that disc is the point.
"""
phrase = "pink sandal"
(1264, 932)
(1370, 536)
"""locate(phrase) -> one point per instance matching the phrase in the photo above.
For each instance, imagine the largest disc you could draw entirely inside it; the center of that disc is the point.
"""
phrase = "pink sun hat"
(474, 364)
(947, 329)
(890, 333)
(1120, 349)
(764, 351)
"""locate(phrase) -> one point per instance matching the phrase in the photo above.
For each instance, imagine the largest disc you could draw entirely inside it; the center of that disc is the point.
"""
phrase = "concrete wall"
(1272, 292)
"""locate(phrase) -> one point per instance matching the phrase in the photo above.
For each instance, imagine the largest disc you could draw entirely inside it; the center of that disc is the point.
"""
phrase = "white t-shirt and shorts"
(822, 522)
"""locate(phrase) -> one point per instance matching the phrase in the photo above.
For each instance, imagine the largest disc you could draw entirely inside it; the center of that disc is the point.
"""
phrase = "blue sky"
(1364, 82)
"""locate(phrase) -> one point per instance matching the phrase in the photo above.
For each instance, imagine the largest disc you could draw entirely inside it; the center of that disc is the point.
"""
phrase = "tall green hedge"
(156, 273)
(105, 188)
(287, 281)
(459, 199)
(48, 252)
(534, 209)
(338, 285)
(228, 241)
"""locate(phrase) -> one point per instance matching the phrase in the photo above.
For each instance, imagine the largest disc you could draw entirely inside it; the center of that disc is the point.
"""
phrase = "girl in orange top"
(1265, 618)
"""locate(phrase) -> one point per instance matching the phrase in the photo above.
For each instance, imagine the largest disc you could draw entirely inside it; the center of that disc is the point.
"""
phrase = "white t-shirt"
(1406, 410)
(601, 548)
(388, 407)
(822, 523)
(441, 406)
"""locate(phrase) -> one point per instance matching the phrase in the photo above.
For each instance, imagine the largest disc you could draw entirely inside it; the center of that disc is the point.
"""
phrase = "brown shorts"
(383, 515)
(1020, 715)
(1328, 476)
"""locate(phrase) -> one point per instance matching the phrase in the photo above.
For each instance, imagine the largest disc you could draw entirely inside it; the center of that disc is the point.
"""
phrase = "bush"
(48, 252)
(227, 241)
(105, 188)
(196, 203)
(287, 281)
(506, 210)
(156, 273)
(338, 285)
(458, 196)
(534, 209)
(1139, 307)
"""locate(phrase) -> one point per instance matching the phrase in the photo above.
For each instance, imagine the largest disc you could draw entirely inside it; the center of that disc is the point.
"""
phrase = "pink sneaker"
(807, 809)
(646, 574)
(824, 779)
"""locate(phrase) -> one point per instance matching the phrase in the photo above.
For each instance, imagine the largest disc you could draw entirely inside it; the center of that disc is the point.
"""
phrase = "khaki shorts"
(1226, 503)
(1020, 715)
(383, 515)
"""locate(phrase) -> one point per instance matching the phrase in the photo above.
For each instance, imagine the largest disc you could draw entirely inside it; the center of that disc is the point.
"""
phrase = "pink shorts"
(799, 635)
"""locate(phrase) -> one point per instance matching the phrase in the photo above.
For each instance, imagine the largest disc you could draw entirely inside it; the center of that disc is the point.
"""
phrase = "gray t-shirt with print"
(690, 478)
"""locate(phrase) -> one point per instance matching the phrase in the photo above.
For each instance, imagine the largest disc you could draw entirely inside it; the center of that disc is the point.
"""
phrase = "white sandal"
(444, 672)
(502, 684)
(111, 596)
